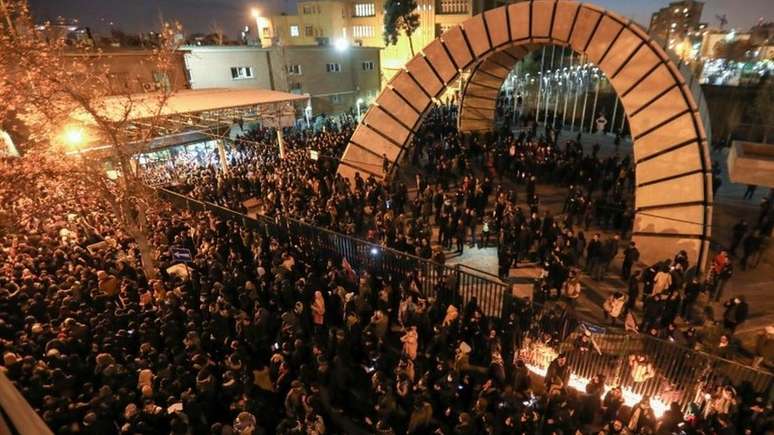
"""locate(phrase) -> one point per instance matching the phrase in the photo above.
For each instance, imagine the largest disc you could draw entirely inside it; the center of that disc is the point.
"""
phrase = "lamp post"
(308, 113)
(74, 139)
(357, 105)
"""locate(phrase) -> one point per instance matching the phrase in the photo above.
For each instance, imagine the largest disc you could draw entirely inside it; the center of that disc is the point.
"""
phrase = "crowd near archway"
(673, 199)
(319, 290)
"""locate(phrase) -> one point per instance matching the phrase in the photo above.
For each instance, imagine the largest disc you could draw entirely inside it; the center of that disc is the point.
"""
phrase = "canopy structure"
(137, 107)
(209, 111)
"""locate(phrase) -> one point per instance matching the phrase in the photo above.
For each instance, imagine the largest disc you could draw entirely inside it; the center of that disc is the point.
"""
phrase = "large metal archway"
(673, 198)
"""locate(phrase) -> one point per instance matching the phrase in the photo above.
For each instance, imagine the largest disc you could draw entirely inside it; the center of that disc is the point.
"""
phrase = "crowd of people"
(464, 191)
(263, 333)
(476, 190)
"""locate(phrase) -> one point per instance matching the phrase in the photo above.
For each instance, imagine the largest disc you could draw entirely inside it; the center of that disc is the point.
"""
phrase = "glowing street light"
(74, 137)
(357, 104)
(341, 44)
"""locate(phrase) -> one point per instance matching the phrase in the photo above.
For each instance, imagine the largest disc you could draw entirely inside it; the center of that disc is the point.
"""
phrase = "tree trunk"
(134, 218)
(411, 44)
(147, 255)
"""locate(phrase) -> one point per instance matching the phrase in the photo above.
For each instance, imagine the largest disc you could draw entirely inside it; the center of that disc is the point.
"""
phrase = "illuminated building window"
(453, 6)
(362, 31)
(364, 10)
(310, 9)
(294, 70)
(294, 31)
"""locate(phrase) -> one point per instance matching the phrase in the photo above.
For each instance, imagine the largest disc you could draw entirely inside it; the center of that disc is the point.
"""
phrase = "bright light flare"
(341, 44)
(74, 136)
(255, 13)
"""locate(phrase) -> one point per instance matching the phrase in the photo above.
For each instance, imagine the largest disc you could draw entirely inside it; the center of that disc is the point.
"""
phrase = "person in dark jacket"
(633, 291)
(631, 255)
(595, 257)
(671, 420)
(736, 313)
(737, 234)
(612, 404)
(692, 291)
(642, 418)
(591, 401)
(557, 375)
(750, 247)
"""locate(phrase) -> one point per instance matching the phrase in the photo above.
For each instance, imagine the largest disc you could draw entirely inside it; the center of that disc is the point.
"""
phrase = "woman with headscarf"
(451, 316)
(318, 309)
(318, 312)
(409, 340)
(642, 419)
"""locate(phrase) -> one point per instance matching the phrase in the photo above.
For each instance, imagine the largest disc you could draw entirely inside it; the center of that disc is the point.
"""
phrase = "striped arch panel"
(673, 199)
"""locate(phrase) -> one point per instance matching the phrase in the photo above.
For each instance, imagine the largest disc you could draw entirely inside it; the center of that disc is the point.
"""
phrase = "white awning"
(150, 105)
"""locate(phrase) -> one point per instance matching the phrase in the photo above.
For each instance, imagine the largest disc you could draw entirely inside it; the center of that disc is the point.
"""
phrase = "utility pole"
(540, 84)
(280, 137)
(585, 99)
(549, 87)
(571, 87)
(594, 110)
(559, 86)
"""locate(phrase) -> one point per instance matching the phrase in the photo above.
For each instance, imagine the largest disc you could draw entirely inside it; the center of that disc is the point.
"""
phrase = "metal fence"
(677, 374)
(677, 369)
(464, 282)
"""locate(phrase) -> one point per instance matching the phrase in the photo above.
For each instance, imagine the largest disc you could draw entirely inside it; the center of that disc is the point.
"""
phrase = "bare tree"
(68, 98)
(216, 31)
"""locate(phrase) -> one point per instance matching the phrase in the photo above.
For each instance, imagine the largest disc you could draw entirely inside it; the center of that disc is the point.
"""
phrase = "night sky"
(200, 15)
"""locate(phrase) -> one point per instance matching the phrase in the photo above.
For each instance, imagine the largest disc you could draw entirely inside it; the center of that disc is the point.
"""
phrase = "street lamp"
(308, 113)
(74, 137)
(357, 104)
(341, 44)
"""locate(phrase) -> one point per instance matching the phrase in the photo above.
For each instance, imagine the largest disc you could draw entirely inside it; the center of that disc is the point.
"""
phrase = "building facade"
(133, 71)
(676, 21)
(335, 79)
(361, 23)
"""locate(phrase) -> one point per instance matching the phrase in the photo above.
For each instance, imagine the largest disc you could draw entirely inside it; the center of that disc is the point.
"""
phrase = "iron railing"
(679, 374)
(678, 369)
(16, 414)
(464, 283)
